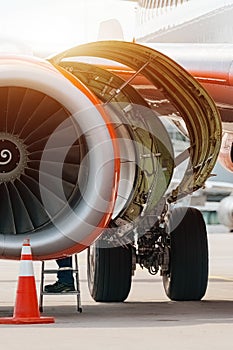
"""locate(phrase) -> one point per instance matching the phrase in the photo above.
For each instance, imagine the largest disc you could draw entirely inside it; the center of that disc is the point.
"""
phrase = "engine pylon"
(26, 310)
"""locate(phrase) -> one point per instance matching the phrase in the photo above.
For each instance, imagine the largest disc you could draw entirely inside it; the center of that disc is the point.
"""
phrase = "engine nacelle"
(225, 212)
(226, 152)
(58, 155)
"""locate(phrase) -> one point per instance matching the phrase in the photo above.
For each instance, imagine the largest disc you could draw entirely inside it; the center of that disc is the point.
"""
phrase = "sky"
(52, 25)
(46, 27)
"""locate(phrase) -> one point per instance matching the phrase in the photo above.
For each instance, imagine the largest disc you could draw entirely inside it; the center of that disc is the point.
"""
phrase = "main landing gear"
(179, 250)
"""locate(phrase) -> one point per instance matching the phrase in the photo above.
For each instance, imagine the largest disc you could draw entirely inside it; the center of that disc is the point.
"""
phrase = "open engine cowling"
(81, 150)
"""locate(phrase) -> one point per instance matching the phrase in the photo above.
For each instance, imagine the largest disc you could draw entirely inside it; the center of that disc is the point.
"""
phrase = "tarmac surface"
(147, 320)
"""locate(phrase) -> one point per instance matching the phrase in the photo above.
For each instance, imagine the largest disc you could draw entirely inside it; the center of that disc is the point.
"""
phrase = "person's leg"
(65, 282)
(65, 276)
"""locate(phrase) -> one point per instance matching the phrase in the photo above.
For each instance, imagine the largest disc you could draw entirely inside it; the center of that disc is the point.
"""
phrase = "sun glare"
(49, 26)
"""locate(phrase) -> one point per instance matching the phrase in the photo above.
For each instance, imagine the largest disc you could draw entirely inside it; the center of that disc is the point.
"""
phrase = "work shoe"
(59, 287)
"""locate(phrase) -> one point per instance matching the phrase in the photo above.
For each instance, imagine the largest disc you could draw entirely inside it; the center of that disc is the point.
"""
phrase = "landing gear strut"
(179, 249)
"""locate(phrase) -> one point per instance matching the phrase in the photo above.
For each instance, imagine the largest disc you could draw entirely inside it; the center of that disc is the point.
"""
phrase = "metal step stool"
(76, 292)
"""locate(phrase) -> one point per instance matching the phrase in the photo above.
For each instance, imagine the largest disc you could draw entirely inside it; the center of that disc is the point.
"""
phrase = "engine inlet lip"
(13, 157)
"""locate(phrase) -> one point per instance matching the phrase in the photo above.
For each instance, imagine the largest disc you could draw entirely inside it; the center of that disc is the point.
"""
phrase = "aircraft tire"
(188, 275)
(109, 273)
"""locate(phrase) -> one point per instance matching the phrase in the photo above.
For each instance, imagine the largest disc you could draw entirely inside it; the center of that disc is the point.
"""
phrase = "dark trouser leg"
(65, 276)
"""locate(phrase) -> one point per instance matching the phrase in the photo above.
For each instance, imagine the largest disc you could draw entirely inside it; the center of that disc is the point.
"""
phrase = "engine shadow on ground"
(138, 314)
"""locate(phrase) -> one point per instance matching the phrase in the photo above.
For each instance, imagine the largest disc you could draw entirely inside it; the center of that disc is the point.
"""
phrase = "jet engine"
(225, 212)
(83, 151)
(226, 152)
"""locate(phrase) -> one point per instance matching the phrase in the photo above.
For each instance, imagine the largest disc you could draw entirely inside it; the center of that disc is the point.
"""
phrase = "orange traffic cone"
(26, 308)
